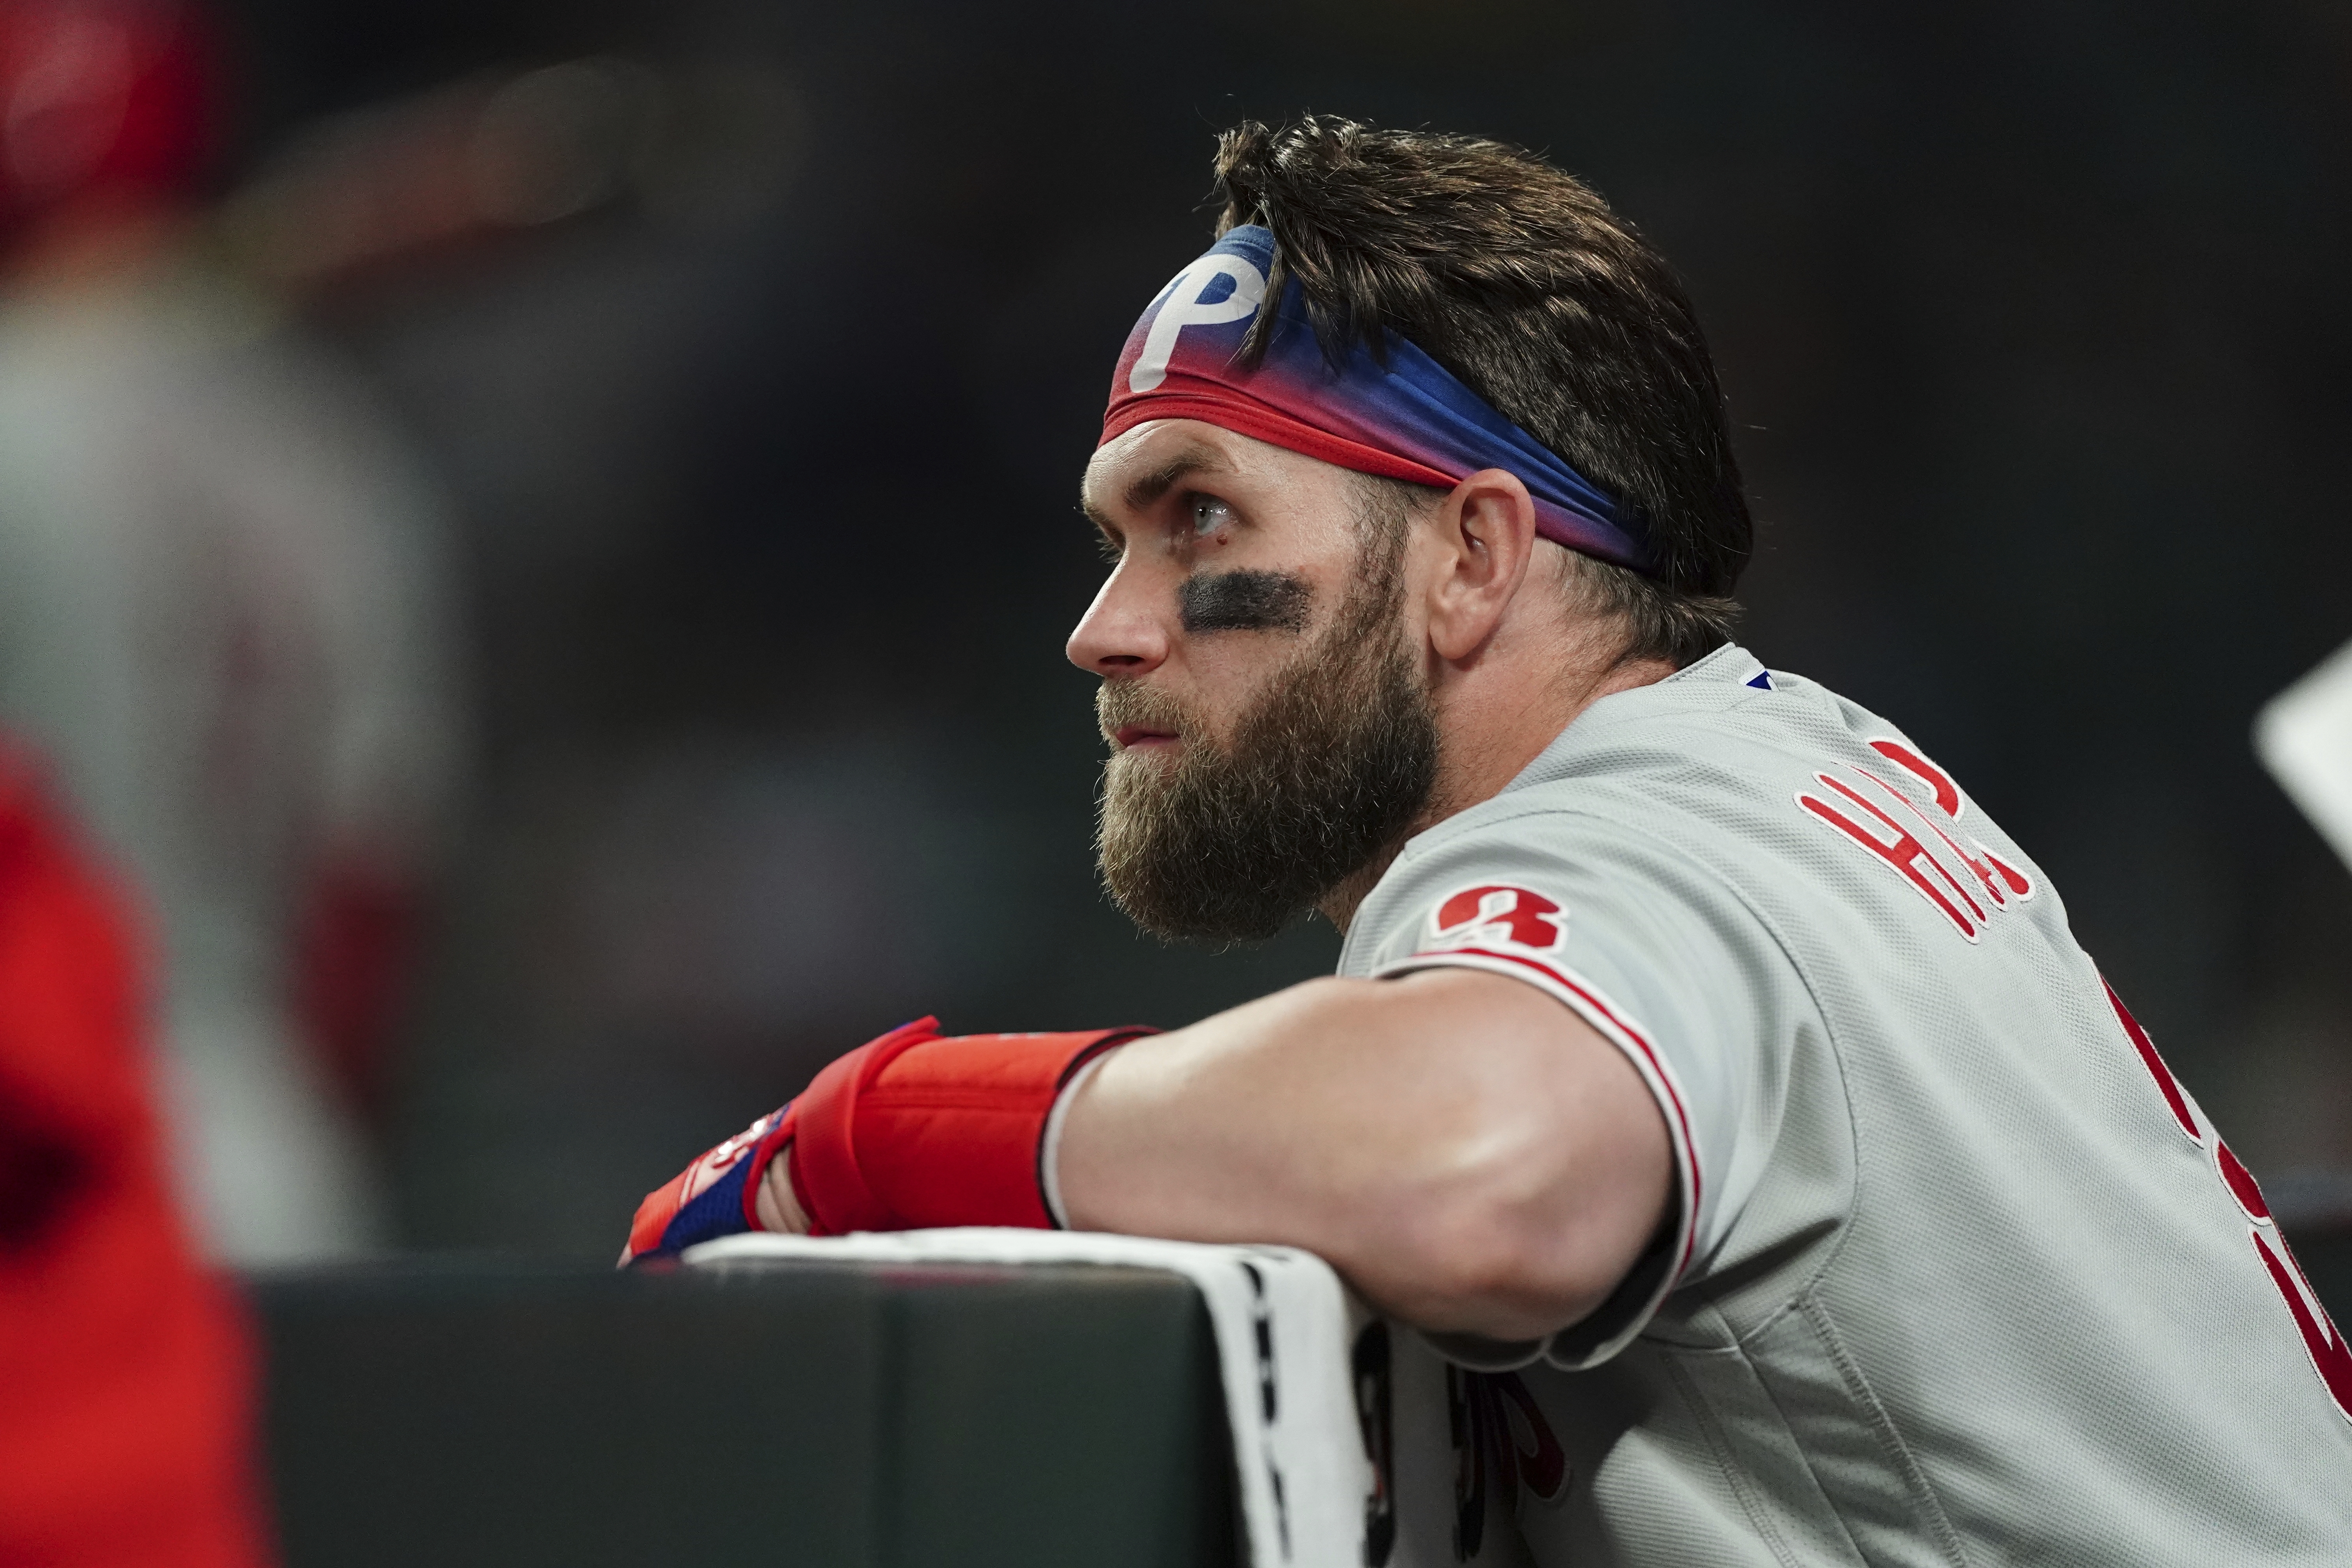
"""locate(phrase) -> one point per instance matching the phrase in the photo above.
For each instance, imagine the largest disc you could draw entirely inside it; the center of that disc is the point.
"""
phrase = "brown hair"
(1519, 280)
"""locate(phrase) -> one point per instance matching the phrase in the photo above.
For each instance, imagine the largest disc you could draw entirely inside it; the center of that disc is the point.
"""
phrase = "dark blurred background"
(762, 434)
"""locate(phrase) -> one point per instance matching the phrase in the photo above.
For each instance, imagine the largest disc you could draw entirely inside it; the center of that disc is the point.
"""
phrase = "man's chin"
(1144, 770)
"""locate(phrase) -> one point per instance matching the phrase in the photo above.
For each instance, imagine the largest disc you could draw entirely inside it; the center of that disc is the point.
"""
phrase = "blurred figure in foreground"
(218, 614)
(124, 1370)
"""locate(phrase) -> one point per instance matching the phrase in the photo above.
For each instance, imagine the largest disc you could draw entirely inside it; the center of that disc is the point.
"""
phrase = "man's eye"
(1209, 514)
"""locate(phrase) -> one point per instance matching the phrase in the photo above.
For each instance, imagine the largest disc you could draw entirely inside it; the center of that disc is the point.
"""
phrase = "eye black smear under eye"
(1245, 601)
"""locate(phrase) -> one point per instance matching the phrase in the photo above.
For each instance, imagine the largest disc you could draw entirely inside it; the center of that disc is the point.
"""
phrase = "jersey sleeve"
(1651, 951)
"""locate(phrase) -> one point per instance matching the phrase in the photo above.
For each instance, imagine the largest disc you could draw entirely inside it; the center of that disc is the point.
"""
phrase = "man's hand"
(708, 1198)
(1470, 1153)
(912, 1129)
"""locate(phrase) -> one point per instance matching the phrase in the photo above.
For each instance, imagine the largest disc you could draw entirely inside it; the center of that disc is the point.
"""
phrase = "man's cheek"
(1245, 601)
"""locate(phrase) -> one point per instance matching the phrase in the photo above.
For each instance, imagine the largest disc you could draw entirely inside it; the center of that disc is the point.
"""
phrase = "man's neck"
(1486, 741)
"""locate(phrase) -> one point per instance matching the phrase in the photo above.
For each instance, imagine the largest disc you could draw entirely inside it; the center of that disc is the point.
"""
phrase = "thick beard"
(1326, 770)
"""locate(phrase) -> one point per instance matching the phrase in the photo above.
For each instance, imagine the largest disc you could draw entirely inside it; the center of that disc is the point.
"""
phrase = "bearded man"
(1700, 1051)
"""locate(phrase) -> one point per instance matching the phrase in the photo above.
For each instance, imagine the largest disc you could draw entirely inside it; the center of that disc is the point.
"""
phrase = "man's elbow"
(1525, 1220)
(1495, 1258)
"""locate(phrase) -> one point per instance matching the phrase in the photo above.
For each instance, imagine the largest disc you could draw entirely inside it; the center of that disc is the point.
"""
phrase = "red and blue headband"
(1407, 420)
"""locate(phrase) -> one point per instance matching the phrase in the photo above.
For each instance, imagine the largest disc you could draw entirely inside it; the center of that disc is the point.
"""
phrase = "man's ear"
(1487, 537)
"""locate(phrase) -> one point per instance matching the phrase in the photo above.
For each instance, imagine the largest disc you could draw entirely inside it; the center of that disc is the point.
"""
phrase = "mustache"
(1121, 703)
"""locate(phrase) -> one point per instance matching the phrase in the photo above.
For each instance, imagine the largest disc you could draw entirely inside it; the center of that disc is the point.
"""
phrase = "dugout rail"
(469, 1412)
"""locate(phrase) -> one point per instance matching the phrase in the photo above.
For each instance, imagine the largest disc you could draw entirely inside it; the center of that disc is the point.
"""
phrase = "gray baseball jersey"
(1960, 1273)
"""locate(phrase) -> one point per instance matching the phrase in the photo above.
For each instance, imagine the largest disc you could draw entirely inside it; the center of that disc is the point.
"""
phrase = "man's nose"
(1125, 631)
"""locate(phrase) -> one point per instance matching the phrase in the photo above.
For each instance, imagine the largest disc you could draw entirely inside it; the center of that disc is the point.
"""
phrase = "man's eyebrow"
(1148, 488)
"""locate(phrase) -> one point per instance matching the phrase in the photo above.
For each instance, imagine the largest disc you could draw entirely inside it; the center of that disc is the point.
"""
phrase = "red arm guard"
(914, 1130)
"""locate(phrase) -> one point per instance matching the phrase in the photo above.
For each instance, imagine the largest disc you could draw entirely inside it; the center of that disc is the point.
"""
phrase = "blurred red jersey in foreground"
(124, 1368)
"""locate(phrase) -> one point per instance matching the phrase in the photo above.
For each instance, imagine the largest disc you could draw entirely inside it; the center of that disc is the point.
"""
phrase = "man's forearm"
(1472, 1155)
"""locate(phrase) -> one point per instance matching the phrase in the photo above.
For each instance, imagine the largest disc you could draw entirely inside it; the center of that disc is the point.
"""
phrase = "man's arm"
(1471, 1155)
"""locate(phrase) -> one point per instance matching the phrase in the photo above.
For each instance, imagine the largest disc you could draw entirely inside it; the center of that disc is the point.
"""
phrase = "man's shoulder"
(1691, 791)
(1687, 758)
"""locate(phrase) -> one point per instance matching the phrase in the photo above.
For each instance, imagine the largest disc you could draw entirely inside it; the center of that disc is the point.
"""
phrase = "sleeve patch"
(1495, 914)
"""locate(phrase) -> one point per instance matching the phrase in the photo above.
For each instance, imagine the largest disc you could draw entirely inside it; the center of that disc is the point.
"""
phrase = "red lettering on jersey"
(2241, 1183)
(1977, 868)
(1953, 804)
(2330, 1356)
(1948, 794)
(1542, 1462)
(1965, 882)
(2174, 1096)
(1899, 848)
(2018, 882)
(1500, 1436)
(1496, 912)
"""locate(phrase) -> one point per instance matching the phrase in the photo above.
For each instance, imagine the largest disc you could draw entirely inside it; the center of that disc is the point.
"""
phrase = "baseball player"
(1705, 1067)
